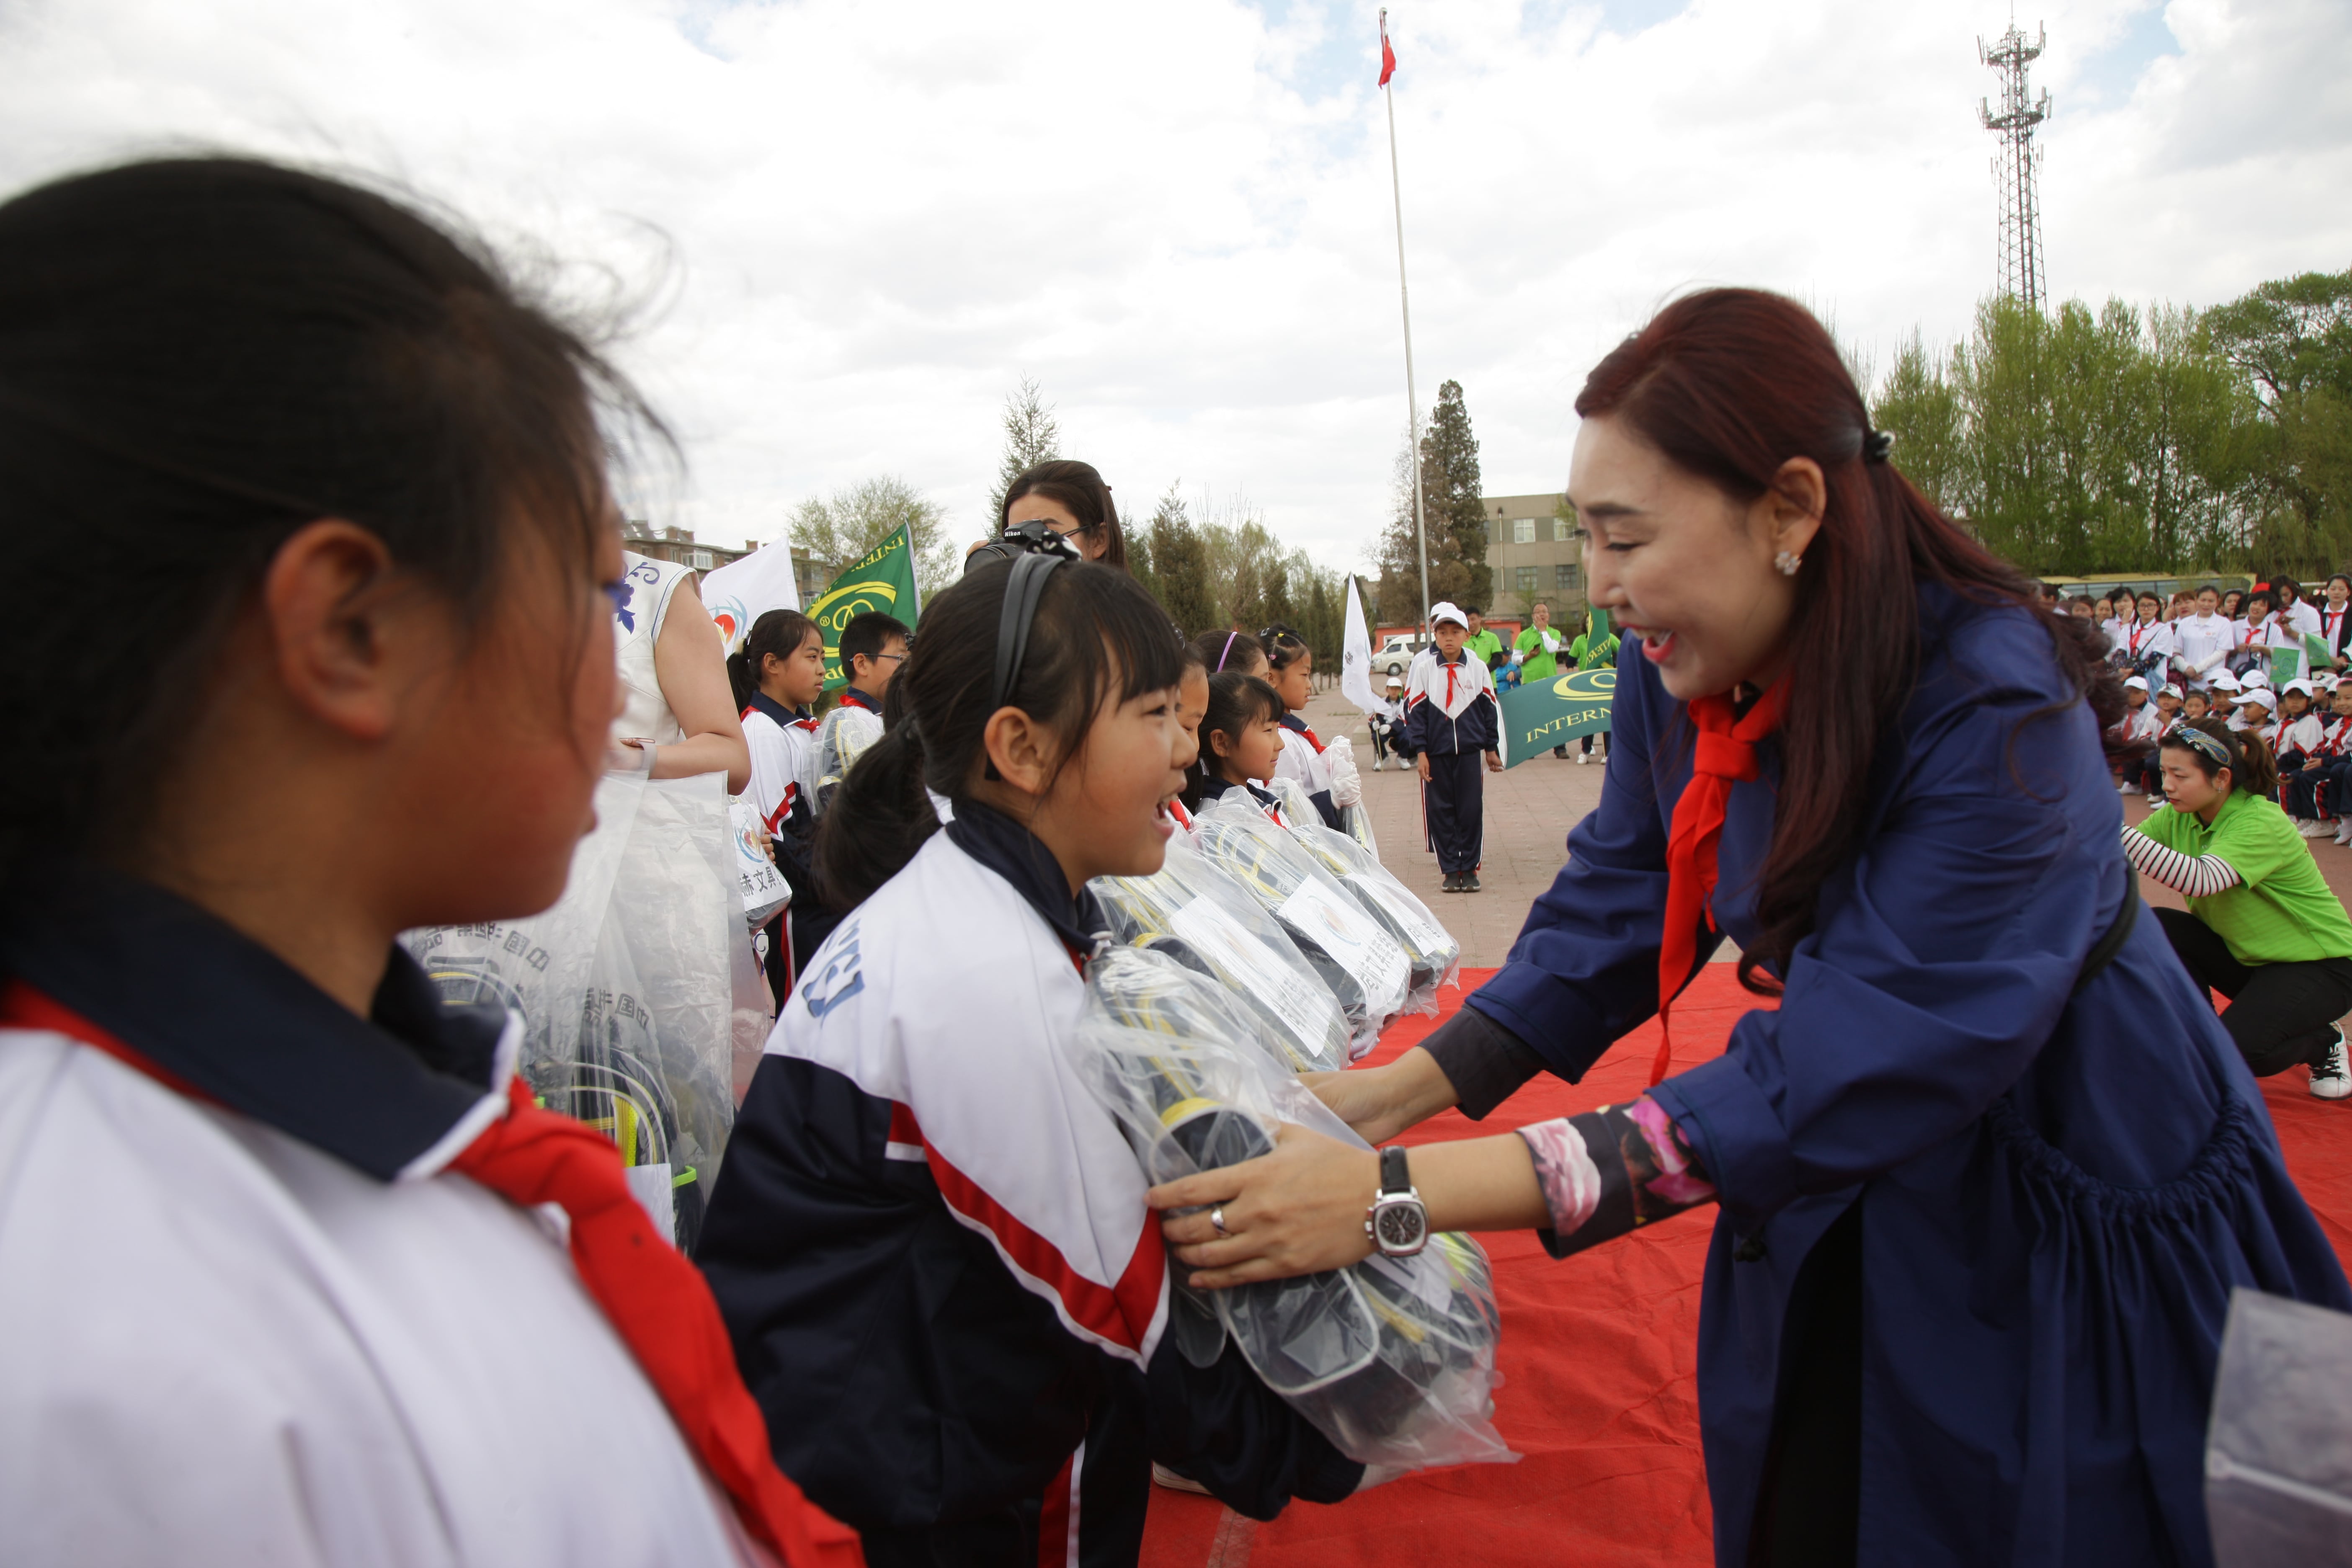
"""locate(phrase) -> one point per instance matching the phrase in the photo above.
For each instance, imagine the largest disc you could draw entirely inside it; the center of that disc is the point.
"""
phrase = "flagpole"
(1404, 299)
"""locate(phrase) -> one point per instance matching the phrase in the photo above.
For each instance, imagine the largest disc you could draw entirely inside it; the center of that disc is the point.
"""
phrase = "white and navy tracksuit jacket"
(1452, 719)
(931, 1247)
(783, 744)
(1303, 759)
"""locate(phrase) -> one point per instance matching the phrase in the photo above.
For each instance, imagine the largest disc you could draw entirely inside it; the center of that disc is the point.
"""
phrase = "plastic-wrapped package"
(1357, 823)
(1393, 1359)
(1352, 952)
(626, 987)
(2278, 1449)
(1436, 957)
(1195, 913)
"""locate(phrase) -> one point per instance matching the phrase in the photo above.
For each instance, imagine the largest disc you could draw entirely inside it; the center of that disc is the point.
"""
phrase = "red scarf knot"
(1724, 755)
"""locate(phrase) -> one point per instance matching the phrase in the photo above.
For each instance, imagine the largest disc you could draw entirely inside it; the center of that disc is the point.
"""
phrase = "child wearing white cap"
(2133, 739)
(1451, 718)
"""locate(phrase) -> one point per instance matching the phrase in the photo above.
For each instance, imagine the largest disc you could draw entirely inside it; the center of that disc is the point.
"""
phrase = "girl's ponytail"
(879, 817)
(739, 678)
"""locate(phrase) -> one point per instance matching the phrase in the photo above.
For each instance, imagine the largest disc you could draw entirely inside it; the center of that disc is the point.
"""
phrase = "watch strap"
(1394, 1178)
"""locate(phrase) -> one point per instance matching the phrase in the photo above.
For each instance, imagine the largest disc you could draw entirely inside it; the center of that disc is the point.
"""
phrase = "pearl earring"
(1788, 563)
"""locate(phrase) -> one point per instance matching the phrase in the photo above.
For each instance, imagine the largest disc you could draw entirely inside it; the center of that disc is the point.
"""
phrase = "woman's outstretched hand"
(1299, 1210)
(1379, 1102)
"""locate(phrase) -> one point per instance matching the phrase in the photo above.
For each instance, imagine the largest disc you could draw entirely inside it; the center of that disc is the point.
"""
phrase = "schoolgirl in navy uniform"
(930, 1240)
(1191, 708)
(777, 674)
(278, 1281)
(1241, 742)
(1328, 774)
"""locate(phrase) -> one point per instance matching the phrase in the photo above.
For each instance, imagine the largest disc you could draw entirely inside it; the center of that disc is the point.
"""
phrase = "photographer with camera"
(1066, 499)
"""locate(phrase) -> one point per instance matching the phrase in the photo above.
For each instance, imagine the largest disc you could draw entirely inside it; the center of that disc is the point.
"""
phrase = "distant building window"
(1562, 530)
(699, 560)
(1566, 578)
(1523, 531)
(1527, 579)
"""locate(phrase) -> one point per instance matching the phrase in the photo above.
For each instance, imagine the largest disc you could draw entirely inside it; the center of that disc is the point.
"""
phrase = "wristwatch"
(1397, 1222)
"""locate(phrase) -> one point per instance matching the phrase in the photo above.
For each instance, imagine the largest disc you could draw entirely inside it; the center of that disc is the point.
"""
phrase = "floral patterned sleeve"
(1606, 1172)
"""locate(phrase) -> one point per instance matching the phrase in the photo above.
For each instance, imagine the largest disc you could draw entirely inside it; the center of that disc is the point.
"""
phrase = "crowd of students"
(2245, 770)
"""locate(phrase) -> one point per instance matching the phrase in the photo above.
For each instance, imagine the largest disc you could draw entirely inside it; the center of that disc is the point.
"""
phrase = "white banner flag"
(740, 593)
(1356, 655)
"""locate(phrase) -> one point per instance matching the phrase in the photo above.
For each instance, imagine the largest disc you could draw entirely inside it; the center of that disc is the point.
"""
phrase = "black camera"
(1019, 540)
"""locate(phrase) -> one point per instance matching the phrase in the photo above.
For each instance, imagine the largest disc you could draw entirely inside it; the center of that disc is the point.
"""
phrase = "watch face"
(1399, 1226)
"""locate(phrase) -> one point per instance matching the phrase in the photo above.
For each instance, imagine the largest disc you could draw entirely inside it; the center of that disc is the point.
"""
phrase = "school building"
(1533, 555)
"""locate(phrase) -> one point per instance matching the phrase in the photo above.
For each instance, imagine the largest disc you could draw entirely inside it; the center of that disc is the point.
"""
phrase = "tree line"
(2129, 441)
(1211, 563)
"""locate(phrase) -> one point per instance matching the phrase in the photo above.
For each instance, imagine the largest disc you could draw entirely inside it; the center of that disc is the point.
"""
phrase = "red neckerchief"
(1725, 755)
(656, 1300)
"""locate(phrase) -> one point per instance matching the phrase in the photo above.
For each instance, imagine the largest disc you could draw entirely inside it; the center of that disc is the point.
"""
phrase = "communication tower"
(2015, 165)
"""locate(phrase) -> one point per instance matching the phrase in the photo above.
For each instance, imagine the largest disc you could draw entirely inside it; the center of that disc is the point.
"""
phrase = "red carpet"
(1598, 1357)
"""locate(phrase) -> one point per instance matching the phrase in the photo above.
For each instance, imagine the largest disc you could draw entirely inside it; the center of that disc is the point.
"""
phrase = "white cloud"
(1178, 218)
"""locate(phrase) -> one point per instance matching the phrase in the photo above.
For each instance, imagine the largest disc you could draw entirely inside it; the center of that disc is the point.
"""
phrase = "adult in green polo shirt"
(1539, 647)
(2261, 927)
(1482, 645)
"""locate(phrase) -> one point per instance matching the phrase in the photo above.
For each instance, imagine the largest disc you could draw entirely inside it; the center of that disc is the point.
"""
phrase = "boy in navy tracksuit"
(1451, 718)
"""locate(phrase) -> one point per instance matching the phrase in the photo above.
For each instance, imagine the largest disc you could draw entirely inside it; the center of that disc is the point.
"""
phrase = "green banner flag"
(884, 579)
(1540, 714)
(2322, 655)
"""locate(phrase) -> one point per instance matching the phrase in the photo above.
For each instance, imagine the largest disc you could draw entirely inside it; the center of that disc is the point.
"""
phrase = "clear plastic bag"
(1393, 1359)
(1196, 913)
(1436, 957)
(2278, 1449)
(1363, 964)
(626, 987)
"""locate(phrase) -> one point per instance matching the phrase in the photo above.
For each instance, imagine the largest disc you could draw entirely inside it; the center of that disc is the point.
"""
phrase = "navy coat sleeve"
(1584, 971)
(1942, 956)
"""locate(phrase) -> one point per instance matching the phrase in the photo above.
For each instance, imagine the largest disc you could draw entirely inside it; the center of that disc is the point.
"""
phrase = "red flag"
(1388, 55)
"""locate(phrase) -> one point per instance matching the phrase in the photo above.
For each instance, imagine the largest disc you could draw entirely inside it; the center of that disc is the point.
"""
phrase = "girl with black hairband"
(930, 1242)
(2261, 927)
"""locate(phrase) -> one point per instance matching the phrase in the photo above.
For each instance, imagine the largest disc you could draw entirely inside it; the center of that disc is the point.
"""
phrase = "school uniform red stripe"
(1121, 1315)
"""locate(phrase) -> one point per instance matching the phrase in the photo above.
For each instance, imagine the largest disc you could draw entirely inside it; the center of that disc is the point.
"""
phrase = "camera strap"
(1022, 591)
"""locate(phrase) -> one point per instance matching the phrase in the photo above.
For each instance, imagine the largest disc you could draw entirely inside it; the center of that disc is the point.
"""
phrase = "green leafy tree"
(1919, 405)
(837, 528)
(1032, 435)
(2292, 342)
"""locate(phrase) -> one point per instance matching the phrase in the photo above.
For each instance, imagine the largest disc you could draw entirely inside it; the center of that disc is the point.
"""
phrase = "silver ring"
(1217, 1218)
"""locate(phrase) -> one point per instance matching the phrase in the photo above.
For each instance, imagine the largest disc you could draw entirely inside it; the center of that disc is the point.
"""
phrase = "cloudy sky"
(851, 226)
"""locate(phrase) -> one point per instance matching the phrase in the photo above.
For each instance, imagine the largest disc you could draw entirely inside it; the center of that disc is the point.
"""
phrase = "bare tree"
(839, 529)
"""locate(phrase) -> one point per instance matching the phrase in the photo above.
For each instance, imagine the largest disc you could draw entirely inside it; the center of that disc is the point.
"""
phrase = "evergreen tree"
(1032, 437)
(1450, 490)
(1399, 594)
(1179, 561)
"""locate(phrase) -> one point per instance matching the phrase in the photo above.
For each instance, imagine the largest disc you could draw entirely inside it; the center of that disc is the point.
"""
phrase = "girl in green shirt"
(2261, 927)
(1594, 648)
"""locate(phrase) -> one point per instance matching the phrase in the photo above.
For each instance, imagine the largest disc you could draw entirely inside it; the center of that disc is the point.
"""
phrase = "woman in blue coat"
(1987, 1175)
